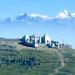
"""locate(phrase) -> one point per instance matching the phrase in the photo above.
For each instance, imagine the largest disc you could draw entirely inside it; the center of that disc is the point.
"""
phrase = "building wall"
(46, 39)
(26, 38)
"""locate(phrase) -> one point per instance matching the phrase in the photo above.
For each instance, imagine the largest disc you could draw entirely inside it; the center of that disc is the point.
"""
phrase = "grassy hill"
(16, 59)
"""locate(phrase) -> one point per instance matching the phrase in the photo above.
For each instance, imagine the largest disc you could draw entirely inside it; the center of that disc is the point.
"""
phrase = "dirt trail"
(61, 58)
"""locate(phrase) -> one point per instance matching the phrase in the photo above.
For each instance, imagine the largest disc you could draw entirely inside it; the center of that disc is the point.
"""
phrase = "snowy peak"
(32, 16)
(64, 15)
(35, 15)
(73, 14)
(22, 17)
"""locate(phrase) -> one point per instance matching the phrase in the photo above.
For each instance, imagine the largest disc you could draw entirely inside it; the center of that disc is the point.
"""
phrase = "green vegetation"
(20, 60)
(46, 62)
(69, 59)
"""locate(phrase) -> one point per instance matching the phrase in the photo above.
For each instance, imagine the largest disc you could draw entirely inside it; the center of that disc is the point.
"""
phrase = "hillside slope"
(16, 59)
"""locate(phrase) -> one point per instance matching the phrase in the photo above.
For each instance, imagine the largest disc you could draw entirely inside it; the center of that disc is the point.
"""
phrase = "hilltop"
(16, 59)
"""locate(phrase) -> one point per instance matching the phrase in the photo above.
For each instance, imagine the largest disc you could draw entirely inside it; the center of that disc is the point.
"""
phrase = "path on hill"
(61, 58)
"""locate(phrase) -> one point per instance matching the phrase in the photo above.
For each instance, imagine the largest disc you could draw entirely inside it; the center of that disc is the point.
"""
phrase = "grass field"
(45, 62)
(36, 61)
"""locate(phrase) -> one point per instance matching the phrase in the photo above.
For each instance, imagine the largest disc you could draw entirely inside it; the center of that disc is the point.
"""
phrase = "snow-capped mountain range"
(35, 16)
(61, 15)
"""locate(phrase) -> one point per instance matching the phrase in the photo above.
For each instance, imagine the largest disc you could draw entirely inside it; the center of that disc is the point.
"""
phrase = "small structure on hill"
(26, 38)
(32, 40)
(37, 41)
(46, 39)
(55, 43)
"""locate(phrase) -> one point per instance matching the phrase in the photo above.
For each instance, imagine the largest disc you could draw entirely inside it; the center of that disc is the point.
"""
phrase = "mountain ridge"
(62, 15)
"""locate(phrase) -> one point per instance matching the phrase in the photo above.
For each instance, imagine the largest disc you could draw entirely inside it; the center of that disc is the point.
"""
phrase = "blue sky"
(12, 8)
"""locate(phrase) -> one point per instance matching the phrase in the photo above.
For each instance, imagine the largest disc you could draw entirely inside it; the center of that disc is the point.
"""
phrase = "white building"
(26, 38)
(46, 39)
(35, 40)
